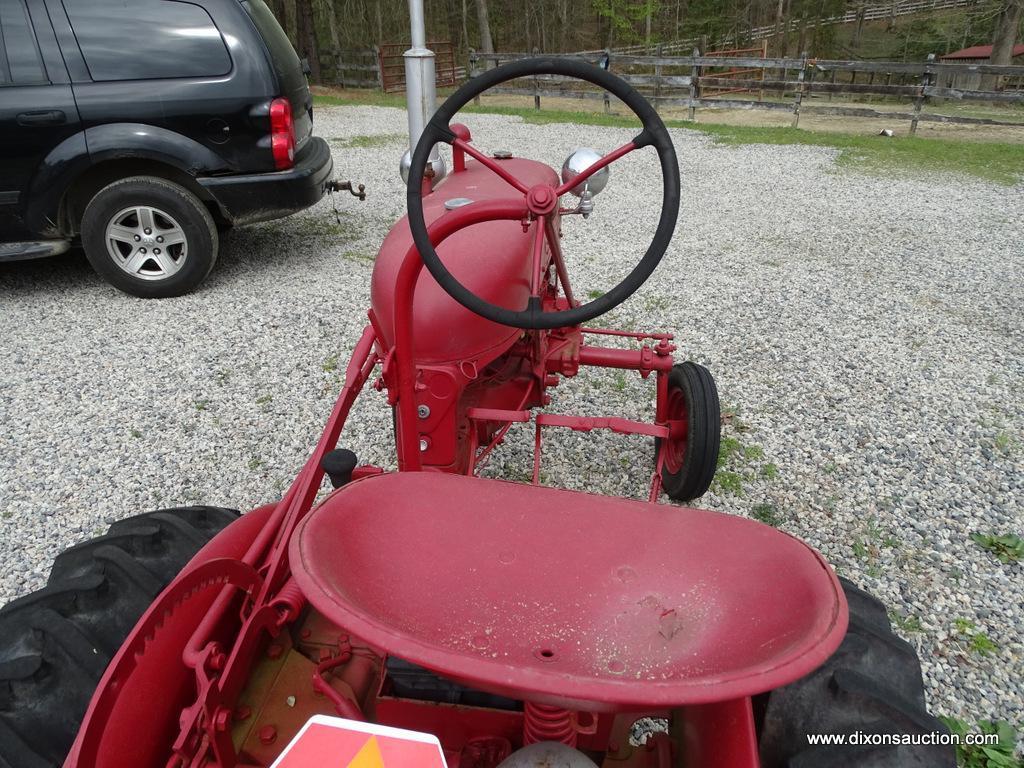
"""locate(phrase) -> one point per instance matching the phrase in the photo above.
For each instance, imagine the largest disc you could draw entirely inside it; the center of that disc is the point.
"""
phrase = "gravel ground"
(866, 334)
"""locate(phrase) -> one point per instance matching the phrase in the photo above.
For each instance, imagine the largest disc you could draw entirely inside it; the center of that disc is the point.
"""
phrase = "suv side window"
(20, 61)
(147, 39)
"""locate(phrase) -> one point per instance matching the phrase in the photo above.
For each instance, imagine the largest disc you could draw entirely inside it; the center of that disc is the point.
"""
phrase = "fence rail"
(697, 81)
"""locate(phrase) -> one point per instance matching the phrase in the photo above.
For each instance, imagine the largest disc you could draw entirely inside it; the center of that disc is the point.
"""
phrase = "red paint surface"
(639, 605)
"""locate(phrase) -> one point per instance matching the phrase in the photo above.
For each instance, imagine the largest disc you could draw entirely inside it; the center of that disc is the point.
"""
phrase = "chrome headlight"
(579, 161)
(440, 169)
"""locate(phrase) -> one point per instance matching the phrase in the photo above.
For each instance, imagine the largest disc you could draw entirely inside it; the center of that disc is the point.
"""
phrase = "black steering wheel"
(540, 203)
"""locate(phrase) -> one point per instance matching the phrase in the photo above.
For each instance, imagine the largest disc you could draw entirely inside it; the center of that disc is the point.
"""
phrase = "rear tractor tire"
(871, 685)
(691, 457)
(56, 643)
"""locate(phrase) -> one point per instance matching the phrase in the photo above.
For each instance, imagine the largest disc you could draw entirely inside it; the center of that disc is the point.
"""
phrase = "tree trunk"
(1003, 39)
(307, 37)
(1005, 34)
(486, 43)
(859, 29)
(779, 37)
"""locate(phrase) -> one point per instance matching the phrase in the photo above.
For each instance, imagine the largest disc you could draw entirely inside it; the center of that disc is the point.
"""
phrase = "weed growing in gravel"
(369, 142)
(1004, 443)
(739, 462)
(729, 482)
(331, 364)
(594, 294)
(767, 513)
(202, 405)
(620, 383)
(255, 462)
(263, 401)
(999, 755)
(136, 434)
(1009, 548)
(908, 624)
(977, 641)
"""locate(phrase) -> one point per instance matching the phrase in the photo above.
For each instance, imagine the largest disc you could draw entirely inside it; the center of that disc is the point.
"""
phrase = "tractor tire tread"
(872, 684)
(55, 643)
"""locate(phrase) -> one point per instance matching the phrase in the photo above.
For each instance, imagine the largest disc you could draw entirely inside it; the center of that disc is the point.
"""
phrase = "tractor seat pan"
(567, 598)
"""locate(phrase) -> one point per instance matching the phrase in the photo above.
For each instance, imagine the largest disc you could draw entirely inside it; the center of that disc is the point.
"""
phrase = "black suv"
(143, 127)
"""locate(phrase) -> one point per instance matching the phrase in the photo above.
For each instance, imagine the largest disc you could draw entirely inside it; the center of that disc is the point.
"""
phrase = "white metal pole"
(420, 79)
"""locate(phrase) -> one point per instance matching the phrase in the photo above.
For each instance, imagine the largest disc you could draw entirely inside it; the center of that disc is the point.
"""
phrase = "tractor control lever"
(347, 186)
(339, 464)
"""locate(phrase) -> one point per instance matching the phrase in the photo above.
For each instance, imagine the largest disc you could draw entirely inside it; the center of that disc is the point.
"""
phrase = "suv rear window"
(20, 62)
(147, 39)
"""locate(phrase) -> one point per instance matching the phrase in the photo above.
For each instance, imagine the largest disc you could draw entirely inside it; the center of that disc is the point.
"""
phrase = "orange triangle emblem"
(331, 742)
(369, 756)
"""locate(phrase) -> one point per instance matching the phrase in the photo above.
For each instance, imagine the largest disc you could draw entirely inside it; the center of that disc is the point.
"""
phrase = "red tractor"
(522, 625)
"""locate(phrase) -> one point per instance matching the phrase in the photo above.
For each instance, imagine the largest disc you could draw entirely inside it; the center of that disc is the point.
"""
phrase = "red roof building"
(978, 53)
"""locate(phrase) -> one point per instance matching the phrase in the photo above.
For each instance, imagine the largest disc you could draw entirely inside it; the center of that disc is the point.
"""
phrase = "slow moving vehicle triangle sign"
(331, 742)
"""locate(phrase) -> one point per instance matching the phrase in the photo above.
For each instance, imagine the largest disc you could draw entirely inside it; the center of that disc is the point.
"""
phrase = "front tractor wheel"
(56, 643)
(695, 432)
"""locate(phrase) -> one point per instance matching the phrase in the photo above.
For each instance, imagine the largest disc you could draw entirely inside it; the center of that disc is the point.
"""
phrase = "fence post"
(926, 80)
(657, 77)
(472, 72)
(607, 98)
(799, 89)
(536, 85)
(379, 58)
(694, 74)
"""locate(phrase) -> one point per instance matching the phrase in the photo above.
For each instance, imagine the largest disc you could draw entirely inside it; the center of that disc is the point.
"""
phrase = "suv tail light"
(282, 134)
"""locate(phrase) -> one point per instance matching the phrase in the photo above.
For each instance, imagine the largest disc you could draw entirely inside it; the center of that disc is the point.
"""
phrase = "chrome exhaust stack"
(420, 90)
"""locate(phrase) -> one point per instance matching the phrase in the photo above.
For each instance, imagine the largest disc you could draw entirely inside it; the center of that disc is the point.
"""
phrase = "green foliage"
(1000, 755)
(908, 624)
(1009, 548)
(977, 641)
(1002, 163)
(766, 513)
(623, 16)
(370, 142)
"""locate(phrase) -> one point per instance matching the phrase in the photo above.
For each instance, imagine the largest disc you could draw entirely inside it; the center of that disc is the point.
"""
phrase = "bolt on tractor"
(519, 625)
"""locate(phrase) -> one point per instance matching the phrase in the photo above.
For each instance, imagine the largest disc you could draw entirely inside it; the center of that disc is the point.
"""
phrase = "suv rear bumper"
(250, 198)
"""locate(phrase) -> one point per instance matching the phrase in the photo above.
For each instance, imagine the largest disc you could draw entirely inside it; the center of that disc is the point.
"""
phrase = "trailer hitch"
(347, 186)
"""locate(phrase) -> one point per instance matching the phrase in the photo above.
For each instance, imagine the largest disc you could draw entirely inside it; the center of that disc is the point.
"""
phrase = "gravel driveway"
(867, 335)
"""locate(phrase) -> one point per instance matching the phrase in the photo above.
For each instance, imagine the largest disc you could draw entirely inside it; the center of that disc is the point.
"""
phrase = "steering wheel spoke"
(491, 164)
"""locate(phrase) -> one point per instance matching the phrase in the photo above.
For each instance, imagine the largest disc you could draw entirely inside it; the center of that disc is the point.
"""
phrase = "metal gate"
(392, 65)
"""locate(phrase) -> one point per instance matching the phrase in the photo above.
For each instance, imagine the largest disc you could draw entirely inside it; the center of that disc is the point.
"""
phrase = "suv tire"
(149, 237)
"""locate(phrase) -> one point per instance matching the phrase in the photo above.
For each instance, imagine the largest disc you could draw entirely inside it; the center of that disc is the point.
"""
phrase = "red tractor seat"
(565, 598)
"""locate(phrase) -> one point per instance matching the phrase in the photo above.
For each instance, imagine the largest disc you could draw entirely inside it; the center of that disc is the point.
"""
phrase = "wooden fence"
(384, 67)
(685, 81)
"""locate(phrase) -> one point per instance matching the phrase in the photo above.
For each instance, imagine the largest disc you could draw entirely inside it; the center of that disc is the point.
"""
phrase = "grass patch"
(993, 161)
(767, 513)
(909, 624)
(1009, 548)
(977, 641)
(998, 162)
(999, 755)
(369, 142)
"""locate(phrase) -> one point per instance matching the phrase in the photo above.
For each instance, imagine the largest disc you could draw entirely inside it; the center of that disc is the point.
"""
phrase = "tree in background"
(484, 25)
(1007, 31)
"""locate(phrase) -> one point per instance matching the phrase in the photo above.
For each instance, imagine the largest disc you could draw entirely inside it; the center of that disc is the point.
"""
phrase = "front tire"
(691, 457)
(56, 643)
(149, 237)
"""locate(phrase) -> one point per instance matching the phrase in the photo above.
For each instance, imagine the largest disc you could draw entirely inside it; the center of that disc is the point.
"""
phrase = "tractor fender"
(144, 721)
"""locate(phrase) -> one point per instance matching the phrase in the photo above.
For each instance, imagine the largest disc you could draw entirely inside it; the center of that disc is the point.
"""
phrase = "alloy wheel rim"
(146, 242)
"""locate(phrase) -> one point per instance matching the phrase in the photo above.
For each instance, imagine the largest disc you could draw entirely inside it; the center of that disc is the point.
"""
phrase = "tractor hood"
(491, 259)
